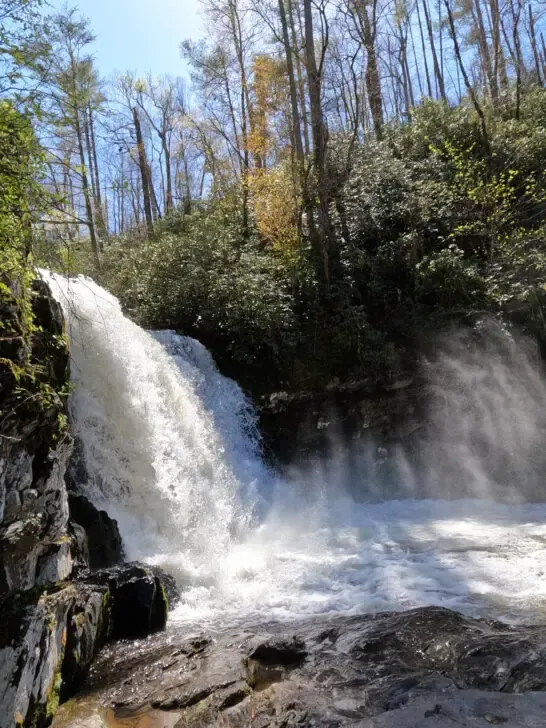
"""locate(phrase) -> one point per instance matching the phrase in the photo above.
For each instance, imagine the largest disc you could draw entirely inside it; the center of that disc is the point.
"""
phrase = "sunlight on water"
(172, 453)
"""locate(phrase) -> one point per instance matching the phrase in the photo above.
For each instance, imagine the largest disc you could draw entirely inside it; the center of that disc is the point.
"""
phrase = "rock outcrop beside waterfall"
(426, 668)
(472, 418)
(34, 452)
(49, 637)
(51, 623)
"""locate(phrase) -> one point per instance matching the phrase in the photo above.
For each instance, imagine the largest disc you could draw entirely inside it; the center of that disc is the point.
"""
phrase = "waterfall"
(172, 453)
(170, 445)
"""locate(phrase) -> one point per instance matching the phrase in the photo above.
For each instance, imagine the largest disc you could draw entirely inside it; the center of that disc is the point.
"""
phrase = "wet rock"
(168, 584)
(279, 651)
(76, 472)
(55, 564)
(34, 451)
(35, 522)
(426, 668)
(103, 537)
(47, 641)
(300, 426)
(79, 548)
(48, 638)
(48, 315)
(139, 603)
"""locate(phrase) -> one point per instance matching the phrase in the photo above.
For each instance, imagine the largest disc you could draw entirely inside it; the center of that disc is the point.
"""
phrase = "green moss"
(104, 624)
(53, 699)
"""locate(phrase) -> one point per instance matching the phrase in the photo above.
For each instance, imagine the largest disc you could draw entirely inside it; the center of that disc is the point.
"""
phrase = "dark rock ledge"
(48, 637)
(426, 668)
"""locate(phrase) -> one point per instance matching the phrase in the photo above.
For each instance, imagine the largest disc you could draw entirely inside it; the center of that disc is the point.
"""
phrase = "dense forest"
(334, 182)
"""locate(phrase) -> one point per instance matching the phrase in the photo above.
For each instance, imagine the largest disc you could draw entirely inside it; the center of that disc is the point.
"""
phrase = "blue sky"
(140, 35)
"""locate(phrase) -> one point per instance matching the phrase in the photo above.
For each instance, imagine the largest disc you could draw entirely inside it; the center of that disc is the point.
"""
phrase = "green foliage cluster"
(433, 227)
(25, 381)
(442, 228)
(201, 277)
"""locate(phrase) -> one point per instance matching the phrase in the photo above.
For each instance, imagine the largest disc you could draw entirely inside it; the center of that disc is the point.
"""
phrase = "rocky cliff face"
(34, 451)
(302, 425)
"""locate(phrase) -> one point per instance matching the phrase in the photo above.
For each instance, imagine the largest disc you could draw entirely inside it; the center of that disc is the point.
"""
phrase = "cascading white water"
(152, 415)
(171, 452)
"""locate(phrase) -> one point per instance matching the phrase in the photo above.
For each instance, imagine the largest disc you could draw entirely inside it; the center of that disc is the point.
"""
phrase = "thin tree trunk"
(516, 15)
(187, 199)
(484, 52)
(367, 28)
(95, 246)
(533, 38)
(168, 173)
(296, 126)
(89, 155)
(319, 144)
(543, 54)
(301, 80)
(143, 166)
(156, 210)
(424, 49)
(441, 38)
(437, 70)
(499, 61)
(464, 74)
(245, 110)
(413, 50)
(86, 193)
(122, 208)
(403, 59)
(101, 216)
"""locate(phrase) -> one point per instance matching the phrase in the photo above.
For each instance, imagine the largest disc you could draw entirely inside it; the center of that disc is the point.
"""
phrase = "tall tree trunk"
(187, 197)
(394, 79)
(373, 81)
(95, 245)
(499, 61)
(484, 51)
(318, 129)
(437, 69)
(100, 212)
(534, 46)
(122, 205)
(156, 209)
(406, 81)
(441, 38)
(543, 54)
(516, 8)
(417, 64)
(87, 136)
(86, 193)
(424, 50)
(467, 82)
(245, 110)
(168, 173)
(295, 115)
(300, 77)
(143, 166)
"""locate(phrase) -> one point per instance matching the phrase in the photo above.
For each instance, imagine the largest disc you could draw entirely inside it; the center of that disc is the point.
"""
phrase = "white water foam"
(171, 452)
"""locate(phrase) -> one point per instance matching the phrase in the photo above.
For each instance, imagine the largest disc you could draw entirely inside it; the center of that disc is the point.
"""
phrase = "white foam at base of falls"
(171, 453)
